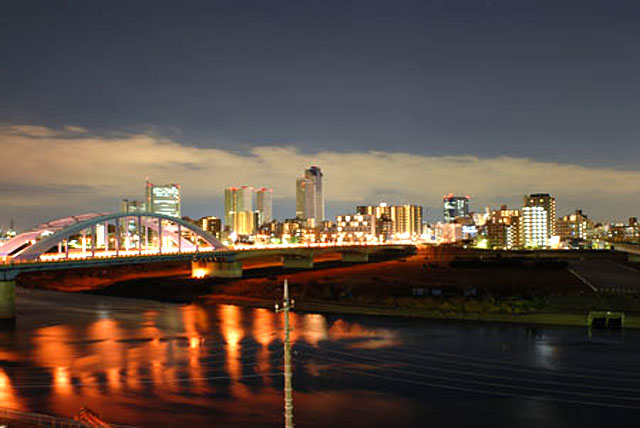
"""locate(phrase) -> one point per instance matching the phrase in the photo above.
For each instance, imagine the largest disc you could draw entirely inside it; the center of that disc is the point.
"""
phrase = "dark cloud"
(548, 80)
(98, 172)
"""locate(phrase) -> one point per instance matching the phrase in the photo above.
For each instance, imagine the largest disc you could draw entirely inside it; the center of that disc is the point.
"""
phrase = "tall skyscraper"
(238, 209)
(455, 206)
(264, 205)
(163, 199)
(310, 196)
(538, 220)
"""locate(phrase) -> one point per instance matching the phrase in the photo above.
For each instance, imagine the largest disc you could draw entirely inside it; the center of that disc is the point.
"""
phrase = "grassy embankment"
(506, 291)
(524, 291)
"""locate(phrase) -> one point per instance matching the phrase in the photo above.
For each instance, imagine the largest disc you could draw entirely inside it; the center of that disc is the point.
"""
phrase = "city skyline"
(36, 190)
(337, 213)
(514, 97)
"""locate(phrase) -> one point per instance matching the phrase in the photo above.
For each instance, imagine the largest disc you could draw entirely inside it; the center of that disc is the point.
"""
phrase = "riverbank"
(632, 320)
(414, 285)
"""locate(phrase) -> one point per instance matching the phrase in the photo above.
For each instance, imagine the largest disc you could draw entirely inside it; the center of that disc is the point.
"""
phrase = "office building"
(455, 207)
(264, 206)
(238, 210)
(163, 199)
(310, 197)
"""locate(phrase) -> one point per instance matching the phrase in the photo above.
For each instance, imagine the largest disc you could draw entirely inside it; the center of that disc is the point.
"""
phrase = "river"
(157, 364)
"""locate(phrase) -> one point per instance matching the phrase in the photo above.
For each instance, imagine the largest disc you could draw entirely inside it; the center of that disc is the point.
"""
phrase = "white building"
(534, 224)
(163, 199)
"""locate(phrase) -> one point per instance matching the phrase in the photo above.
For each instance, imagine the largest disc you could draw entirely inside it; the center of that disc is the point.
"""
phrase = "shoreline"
(541, 318)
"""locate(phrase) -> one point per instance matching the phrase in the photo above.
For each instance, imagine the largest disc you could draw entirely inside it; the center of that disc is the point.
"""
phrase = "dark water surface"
(154, 364)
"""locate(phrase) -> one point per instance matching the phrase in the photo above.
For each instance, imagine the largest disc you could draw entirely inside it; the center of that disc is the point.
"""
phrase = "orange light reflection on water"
(62, 381)
(232, 331)
(369, 338)
(8, 397)
(264, 334)
(192, 317)
(113, 364)
(315, 329)
(52, 350)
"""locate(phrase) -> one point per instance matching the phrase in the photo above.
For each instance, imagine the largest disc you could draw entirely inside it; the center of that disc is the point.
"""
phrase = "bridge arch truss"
(108, 235)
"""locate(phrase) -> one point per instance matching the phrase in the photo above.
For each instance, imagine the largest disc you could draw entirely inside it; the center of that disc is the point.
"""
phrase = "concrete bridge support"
(297, 262)
(7, 300)
(216, 269)
(355, 257)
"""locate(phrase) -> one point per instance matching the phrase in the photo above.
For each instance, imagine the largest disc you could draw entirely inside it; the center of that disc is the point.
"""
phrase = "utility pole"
(288, 389)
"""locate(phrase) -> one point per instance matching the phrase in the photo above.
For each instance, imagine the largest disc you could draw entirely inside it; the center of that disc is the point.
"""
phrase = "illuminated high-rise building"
(264, 206)
(534, 227)
(503, 228)
(238, 210)
(404, 219)
(407, 219)
(547, 202)
(455, 206)
(163, 199)
(310, 196)
(538, 223)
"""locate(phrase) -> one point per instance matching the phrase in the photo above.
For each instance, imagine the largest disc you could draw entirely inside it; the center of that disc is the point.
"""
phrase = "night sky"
(397, 101)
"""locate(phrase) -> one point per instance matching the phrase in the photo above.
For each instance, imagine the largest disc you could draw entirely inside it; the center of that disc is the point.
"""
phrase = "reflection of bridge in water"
(140, 362)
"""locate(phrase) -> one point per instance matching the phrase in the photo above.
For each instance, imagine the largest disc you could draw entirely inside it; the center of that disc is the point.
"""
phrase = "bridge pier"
(7, 300)
(216, 269)
(355, 257)
(297, 262)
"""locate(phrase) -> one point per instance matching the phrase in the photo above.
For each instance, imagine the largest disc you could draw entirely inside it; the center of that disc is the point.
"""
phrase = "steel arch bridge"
(109, 234)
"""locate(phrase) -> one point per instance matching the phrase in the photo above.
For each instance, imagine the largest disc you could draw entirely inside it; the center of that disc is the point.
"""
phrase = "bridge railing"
(9, 416)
